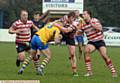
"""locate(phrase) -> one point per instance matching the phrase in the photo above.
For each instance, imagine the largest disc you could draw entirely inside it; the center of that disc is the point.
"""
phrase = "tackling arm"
(35, 27)
(63, 29)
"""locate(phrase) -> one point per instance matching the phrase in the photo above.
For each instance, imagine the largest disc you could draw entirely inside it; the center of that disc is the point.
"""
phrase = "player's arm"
(35, 27)
(97, 25)
(44, 15)
(79, 29)
(12, 29)
(63, 29)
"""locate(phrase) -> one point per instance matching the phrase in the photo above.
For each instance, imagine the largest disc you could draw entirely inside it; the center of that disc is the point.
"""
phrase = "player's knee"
(35, 58)
(87, 57)
(71, 56)
(21, 58)
(87, 51)
(49, 57)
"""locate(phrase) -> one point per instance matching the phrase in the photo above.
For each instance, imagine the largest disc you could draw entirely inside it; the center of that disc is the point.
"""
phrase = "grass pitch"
(59, 69)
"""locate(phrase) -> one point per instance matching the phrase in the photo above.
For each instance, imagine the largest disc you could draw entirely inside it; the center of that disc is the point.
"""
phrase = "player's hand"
(28, 44)
(58, 39)
(18, 31)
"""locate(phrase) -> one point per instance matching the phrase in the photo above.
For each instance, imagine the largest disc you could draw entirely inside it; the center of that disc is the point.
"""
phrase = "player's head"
(77, 13)
(36, 15)
(86, 15)
(71, 17)
(24, 15)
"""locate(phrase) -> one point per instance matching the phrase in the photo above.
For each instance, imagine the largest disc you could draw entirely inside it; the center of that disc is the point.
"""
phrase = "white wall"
(5, 36)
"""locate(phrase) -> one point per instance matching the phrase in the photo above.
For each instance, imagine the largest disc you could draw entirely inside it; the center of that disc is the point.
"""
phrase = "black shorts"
(20, 47)
(97, 44)
(70, 41)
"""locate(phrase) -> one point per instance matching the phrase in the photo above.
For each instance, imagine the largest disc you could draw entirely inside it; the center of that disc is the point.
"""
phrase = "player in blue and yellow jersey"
(40, 41)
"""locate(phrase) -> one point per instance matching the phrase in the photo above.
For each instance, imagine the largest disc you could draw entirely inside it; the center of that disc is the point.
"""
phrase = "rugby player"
(22, 30)
(93, 30)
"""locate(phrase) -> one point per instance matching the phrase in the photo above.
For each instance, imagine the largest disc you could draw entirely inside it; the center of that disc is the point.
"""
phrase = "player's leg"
(21, 53)
(20, 58)
(81, 49)
(108, 61)
(71, 47)
(80, 45)
(38, 54)
(27, 61)
(72, 58)
(36, 60)
(31, 54)
(88, 49)
(29, 58)
(45, 61)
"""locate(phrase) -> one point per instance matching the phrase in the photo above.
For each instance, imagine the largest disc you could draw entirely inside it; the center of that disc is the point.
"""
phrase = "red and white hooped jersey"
(25, 34)
(91, 33)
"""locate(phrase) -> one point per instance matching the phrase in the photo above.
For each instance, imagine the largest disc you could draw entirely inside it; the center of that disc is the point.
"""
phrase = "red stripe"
(109, 62)
(95, 37)
(74, 27)
(22, 27)
(18, 24)
(87, 61)
(91, 34)
(84, 25)
(19, 41)
(23, 34)
(87, 28)
(95, 33)
(73, 67)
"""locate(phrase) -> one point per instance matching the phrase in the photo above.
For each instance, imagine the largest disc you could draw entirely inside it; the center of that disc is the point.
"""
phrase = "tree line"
(108, 11)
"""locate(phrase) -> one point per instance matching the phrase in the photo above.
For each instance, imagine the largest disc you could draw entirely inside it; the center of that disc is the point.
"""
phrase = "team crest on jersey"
(49, 25)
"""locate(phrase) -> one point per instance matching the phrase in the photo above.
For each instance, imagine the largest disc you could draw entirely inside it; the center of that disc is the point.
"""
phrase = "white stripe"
(24, 36)
(97, 38)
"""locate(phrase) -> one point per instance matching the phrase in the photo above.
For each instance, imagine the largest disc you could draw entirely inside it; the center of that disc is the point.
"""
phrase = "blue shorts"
(37, 44)
(80, 39)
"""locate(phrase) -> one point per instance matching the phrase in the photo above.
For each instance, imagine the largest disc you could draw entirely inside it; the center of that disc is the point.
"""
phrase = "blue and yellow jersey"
(48, 32)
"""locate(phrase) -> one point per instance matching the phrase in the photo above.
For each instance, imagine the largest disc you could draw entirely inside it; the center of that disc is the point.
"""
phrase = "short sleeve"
(14, 26)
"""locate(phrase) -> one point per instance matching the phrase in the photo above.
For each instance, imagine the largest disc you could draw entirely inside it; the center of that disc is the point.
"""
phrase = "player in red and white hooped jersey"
(91, 33)
(24, 35)
(22, 29)
(69, 37)
(93, 30)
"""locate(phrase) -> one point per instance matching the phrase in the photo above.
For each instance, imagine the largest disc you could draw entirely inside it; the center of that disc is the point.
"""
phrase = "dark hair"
(23, 10)
(71, 14)
(81, 15)
(37, 12)
(89, 12)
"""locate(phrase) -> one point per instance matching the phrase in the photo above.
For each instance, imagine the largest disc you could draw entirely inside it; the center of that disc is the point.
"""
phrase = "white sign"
(112, 39)
(62, 5)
